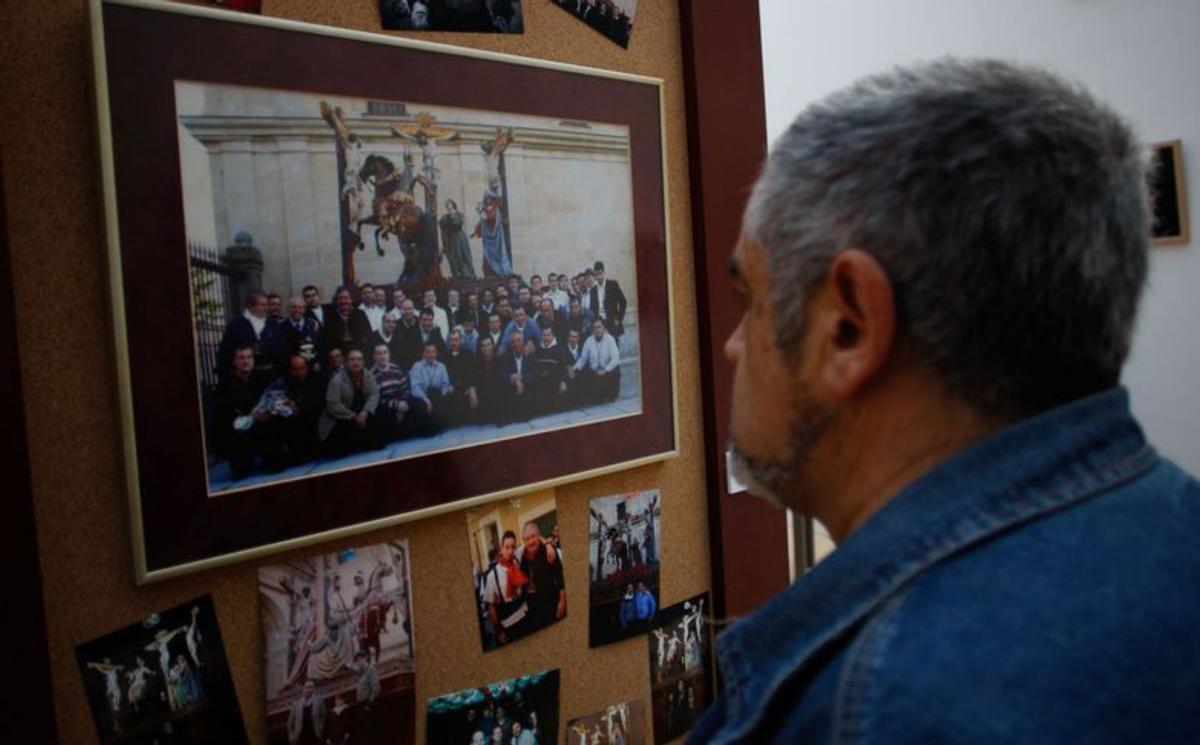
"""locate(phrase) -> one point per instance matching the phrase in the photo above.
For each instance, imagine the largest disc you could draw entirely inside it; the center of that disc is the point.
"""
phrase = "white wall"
(1140, 56)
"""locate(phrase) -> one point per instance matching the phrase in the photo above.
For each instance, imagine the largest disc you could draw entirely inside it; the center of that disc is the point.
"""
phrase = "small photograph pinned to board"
(618, 724)
(681, 679)
(1168, 194)
(517, 568)
(164, 679)
(612, 19)
(517, 711)
(337, 628)
(624, 533)
(479, 16)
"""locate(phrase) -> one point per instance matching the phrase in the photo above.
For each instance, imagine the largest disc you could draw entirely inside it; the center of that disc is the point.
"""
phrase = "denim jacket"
(1042, 585)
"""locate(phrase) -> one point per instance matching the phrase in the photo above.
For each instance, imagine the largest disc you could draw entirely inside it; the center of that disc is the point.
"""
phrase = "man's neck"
(878, 452)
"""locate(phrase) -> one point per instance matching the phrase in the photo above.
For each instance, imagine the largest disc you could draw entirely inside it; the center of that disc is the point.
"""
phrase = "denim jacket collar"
(1028, 469)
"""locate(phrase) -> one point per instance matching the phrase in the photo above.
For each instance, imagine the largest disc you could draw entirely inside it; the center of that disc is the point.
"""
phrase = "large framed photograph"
(359, 279)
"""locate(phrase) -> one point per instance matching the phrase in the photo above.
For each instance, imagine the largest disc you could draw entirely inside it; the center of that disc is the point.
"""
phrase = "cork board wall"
(48, 146)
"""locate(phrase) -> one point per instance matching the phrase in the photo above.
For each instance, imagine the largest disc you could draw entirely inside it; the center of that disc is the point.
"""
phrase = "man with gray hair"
(941, 268)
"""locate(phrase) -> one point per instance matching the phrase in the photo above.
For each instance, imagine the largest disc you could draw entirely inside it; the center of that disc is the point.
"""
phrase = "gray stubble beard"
(781, 482)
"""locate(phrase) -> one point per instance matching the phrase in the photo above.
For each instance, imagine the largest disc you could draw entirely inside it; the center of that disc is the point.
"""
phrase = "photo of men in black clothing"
(612, 19)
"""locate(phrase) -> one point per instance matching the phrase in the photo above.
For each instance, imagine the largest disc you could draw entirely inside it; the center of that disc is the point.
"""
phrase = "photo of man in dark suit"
(608, 302)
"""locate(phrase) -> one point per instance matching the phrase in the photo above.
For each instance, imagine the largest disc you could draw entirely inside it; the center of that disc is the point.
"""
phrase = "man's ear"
(856, 321)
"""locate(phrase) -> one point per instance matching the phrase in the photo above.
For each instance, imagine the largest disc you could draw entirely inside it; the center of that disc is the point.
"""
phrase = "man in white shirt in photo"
(598, 370)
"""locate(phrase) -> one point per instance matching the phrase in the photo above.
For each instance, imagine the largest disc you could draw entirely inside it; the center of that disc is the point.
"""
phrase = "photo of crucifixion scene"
(378, 280)
(339, 648)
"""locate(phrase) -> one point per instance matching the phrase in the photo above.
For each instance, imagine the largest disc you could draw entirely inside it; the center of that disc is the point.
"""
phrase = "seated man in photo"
(598, 370)
(398, 406)
(431, 384)
(462, 368)
(550, 387)
(348, 424)
(519, 373)
(574, 350)
(236, 434)
(287, 414)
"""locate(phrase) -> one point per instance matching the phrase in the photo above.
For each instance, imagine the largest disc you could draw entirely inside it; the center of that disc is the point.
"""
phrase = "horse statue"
(392, 189)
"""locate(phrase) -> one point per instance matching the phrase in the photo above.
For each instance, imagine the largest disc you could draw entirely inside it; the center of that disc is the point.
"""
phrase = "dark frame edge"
(733, 131)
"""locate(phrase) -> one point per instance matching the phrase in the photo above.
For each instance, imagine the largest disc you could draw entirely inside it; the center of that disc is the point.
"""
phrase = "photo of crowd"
(624, 533)
(517, 568)
(340, 653)
(681, 679)
(612, 19)
(328, 381)
(418, 325)
(164, 680)
(518, 711)
(618, 724)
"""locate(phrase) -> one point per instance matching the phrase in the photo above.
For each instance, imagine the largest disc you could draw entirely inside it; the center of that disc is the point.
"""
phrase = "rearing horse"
(393, 189)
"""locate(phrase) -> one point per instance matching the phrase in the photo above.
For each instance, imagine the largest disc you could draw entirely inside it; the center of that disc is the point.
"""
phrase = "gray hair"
(1007, 207)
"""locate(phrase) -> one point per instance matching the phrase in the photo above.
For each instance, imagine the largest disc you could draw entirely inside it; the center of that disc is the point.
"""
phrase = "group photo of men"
(518, 711)
(424, 302)
(301, 381)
